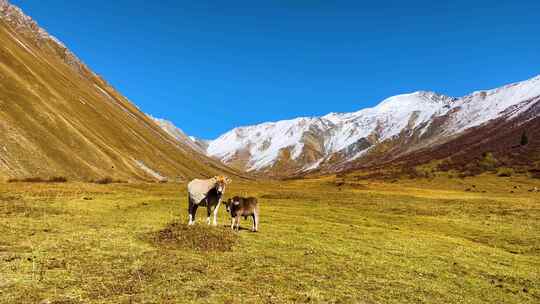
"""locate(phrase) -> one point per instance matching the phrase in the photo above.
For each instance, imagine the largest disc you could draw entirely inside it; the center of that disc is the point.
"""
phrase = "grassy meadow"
(473, 240)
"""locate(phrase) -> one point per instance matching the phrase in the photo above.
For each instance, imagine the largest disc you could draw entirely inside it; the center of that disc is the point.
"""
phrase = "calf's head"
(231, 203)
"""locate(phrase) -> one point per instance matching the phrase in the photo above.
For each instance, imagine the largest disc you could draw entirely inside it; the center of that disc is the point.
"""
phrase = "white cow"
(206, 192)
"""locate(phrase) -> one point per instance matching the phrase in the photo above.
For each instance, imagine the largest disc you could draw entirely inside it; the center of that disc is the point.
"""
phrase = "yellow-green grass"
(411, 241)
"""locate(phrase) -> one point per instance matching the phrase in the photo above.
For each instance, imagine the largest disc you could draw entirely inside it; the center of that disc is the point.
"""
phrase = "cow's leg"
(208, 212)
(190, 210)
(233, 219)
(195, 206)
(216, 210)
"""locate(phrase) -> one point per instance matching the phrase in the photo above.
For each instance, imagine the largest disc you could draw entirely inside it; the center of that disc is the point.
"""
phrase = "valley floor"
(320, 241)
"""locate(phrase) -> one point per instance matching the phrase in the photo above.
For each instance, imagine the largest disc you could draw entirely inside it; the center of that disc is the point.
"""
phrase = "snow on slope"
(483, 106)
(340, 131)
(263, 141)
(392, 115)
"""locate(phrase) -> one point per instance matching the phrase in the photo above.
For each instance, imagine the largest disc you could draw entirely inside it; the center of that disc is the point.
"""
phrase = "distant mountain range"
(400, 126)
(58, 118)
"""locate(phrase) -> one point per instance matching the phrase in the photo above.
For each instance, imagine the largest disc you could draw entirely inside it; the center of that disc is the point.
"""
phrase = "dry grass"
(320, 241)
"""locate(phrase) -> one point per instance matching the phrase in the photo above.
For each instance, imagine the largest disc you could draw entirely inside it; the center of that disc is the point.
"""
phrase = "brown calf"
(243, 206)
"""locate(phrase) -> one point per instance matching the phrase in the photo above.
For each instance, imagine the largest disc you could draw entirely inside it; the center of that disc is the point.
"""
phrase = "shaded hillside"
(502, 139)
(58, 118)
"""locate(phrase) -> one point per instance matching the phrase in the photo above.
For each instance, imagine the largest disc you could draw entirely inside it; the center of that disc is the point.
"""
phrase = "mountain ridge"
(25, 24)
(196, 144)
(304, 144)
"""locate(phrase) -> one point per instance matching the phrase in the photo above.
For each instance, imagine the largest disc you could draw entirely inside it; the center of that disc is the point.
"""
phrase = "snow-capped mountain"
(401, 124)
(314, 139)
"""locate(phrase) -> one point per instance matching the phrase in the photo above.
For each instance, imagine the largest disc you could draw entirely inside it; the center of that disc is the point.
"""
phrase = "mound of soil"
(197, 237)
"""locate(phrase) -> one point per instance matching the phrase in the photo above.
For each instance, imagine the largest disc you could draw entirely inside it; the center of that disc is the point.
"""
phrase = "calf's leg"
(255, 222)
(237, 223)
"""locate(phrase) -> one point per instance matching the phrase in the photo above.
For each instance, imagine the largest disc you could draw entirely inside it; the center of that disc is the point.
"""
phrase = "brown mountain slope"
(58, 118)
(501, 138)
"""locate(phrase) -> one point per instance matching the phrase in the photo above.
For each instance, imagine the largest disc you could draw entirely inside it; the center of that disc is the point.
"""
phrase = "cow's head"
(220, 183)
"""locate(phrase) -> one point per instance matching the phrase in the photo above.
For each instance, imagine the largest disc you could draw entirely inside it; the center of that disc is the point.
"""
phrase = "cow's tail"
(189, 204)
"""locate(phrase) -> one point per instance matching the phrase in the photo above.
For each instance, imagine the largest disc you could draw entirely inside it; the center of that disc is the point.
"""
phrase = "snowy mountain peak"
(418, 101)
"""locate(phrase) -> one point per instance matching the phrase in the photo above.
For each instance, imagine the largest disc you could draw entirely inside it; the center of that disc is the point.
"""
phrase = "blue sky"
(209, 66)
